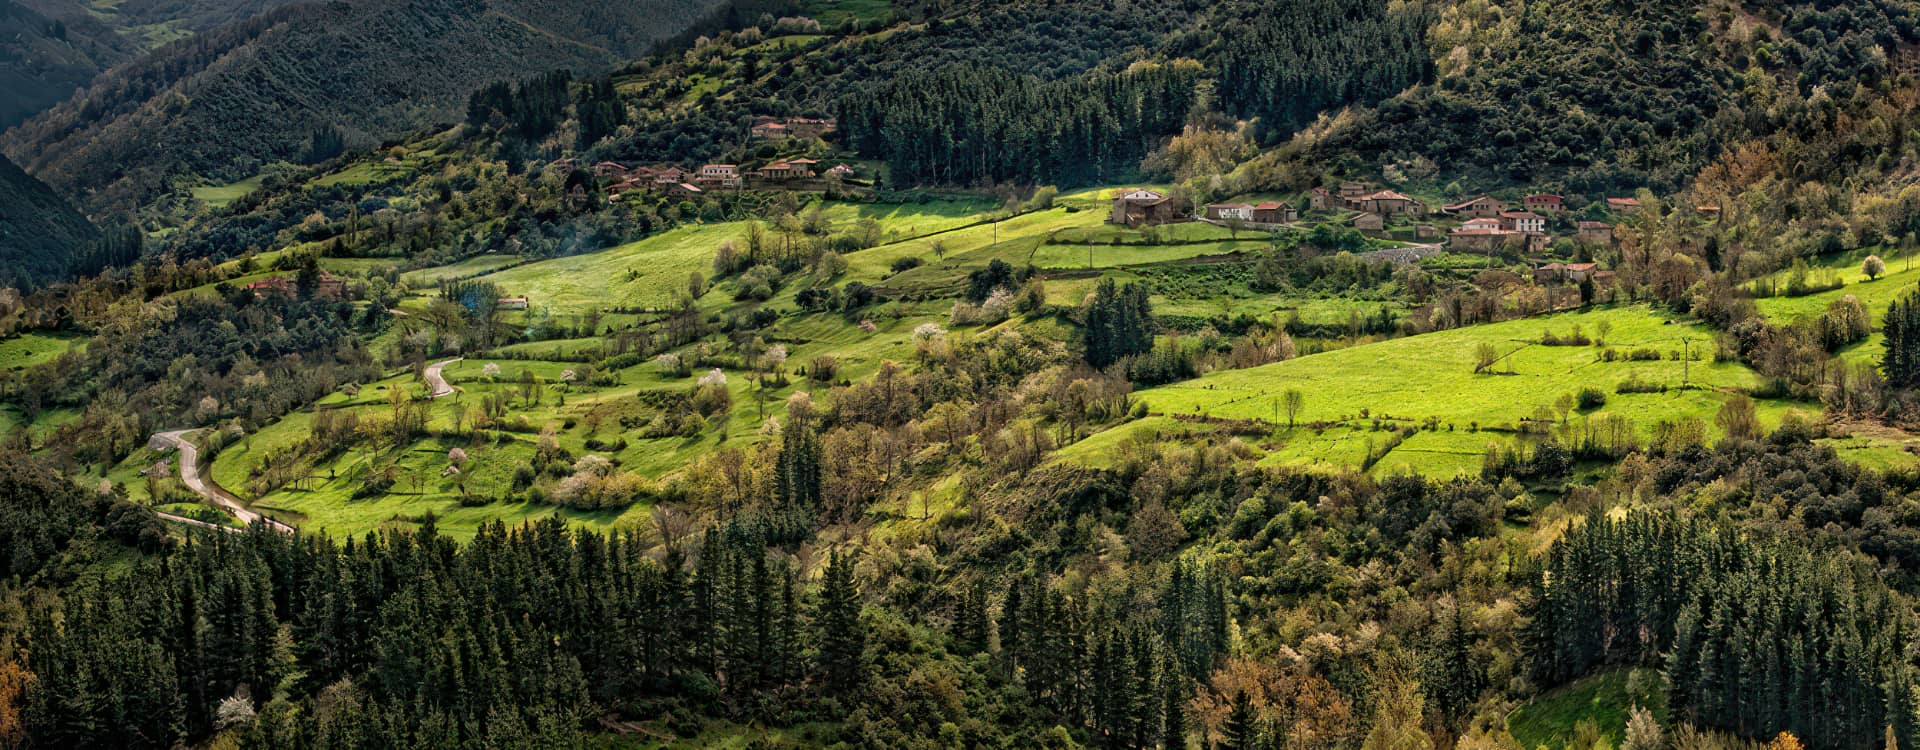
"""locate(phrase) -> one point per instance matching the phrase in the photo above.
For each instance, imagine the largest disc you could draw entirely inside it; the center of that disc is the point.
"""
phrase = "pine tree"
(1241, 727)
(843, 637)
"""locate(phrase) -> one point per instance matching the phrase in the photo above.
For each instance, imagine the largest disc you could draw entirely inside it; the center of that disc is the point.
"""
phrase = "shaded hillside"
(220, 104)
(40, 233)
(1606, 96)
(44, 59)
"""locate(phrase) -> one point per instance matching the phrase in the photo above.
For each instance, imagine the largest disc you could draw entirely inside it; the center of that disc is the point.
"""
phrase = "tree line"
(961, 125)
(1755, 635)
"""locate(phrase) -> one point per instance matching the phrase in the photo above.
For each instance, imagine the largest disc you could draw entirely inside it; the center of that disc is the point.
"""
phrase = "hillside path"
(190, 476)
(437, 385)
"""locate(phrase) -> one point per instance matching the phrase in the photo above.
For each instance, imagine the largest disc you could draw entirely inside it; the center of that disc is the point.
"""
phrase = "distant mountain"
(41, 234)
(221, 103)
(44, 59)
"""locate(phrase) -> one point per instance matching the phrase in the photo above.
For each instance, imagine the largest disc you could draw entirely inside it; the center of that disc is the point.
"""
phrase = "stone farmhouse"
(1594, 233)
(1230, 211)
(1483, 207)
(720, 176)
(1275, 212)
(1141, 207)
(775, 128)
(1544, 203)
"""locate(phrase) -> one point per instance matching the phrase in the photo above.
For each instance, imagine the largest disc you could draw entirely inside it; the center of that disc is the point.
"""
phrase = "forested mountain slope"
(219, 104)
(39, 231)
(1594, 96)
(44, 59)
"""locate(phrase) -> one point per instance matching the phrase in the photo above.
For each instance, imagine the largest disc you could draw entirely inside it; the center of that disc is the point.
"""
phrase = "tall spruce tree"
(842, 634)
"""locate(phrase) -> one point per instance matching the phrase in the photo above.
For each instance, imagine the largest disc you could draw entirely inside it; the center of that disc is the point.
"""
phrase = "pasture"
(1431, 381)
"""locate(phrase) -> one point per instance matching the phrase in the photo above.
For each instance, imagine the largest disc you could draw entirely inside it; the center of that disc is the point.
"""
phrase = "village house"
(626, 186)
(610, 169)
(723, 176)
(1425, 231)
(1523, 221)
(1488, 223)
(1483, 239)
(1594, 233)
(685, 190)
(1352, 189)
(1485, 207)
(1140, 207)
(1390, 203)
(1628, 206)
(1322, 199)
(1370, 222)
(1275, 212)
(670, 176)
(1568, 273)
(1544, 203)
(511, 303)
(795, 169)
(793, 127)
(1230, 211)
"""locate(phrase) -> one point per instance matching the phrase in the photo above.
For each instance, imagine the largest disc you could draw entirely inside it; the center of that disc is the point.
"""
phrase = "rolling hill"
(217, 105)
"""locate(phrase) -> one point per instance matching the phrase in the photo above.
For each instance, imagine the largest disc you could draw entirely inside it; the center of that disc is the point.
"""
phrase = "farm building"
(1627, 206)
(1595, 233)
(1544, 203)
(1389, 203)
(793, 127)
(511, 303)
(1275, 212)
(724, 176)
(1523, 221)
(1230, 211)
(1370, 222)
(1140, 207)
(1571, 273)
(1485, 206)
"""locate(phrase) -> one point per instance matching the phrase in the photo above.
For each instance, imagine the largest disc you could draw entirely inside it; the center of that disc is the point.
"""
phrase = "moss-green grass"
(1603, 699)
(1875, 295)
(1109, 256)
(831, 13)
(27, 350)
(474, 266)
(651, 272)
(218, 196)
(1430, 378)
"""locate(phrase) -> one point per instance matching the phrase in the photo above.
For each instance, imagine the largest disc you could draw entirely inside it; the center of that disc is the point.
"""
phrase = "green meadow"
(652, 272)
(1429, 380)
(1604, 700)
(218, 196)
(29, 349)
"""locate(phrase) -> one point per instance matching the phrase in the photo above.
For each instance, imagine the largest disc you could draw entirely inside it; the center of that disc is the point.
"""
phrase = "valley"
(1261, 374)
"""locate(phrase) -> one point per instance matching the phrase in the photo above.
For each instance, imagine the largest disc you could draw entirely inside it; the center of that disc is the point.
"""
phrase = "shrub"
(907, 263)
(1591, 398)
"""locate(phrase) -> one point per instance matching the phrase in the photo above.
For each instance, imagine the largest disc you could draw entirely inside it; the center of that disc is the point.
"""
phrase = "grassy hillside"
(1429, 382)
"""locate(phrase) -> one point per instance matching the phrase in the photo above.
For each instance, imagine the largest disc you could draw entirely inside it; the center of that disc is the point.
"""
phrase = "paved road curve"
(190, 476)
(437, 384)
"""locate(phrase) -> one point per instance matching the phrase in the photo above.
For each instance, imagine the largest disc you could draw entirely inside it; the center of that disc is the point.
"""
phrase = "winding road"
(437, 385)
(190, 476)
